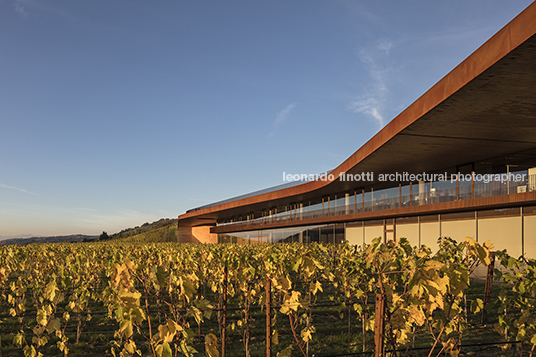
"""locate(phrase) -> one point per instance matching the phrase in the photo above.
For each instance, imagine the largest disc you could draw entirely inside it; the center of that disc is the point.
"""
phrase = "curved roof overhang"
(484, 108)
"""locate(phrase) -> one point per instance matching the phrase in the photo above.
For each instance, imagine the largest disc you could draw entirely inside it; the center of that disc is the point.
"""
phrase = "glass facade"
(330, 233)
(507, 228)
(466, 185)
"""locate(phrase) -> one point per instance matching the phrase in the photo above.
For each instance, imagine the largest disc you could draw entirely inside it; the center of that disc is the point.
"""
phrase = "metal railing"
(424, 197)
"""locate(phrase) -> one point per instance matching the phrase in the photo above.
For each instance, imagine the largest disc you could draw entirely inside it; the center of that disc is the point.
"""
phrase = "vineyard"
(167, 299)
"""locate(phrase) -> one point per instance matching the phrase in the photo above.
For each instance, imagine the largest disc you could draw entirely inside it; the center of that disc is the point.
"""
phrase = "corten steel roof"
(484, 108)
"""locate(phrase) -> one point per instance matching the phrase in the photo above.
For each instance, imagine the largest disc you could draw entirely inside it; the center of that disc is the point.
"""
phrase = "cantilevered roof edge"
(517, 31)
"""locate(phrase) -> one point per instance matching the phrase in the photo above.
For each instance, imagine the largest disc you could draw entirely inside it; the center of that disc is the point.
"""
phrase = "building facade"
(459, 161)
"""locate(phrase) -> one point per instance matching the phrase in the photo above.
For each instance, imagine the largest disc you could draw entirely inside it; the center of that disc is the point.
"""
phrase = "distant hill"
(163, 230)
(167, 233)
(18, 236)
(56, 239)
(144, 228)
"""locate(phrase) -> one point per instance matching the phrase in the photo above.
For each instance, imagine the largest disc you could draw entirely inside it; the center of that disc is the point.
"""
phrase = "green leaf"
(161, 276)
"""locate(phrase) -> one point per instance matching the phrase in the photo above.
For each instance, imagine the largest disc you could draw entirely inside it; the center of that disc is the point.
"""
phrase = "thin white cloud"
(20, 8)
(453, 35)
(18, 189)
(369, 105)
(281, 117)
(372, 101)
(283, 114)
(385, 46)
(27, 8)
(197, 199)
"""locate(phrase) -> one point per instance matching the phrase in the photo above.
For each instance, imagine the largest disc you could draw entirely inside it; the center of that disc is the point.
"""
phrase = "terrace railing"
(377, 203)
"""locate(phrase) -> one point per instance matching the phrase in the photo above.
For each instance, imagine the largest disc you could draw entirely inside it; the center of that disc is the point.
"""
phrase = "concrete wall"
(430, 234)
(199, 234)
(430, 231)
(202, 233)
(504, 233)
(372, 232)
(459, 230)
(410, 231)
(184, 235)
(530, 236)
(515, 234)
(354, 235)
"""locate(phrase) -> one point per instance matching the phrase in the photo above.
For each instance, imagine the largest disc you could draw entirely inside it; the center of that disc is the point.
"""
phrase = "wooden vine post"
(268, 288)
(489, 284)
(224, 311)
(364, 331)
(379, 320)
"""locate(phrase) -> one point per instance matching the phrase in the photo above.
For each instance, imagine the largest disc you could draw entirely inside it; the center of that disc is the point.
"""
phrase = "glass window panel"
(339, 233)
(406, 199)
(313, 235)
(386, 199)
(326, 234)
(368, 201)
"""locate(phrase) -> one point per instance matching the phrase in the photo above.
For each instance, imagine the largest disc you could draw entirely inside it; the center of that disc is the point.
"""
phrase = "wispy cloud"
(20, 8)
(32, 8)
(372, 101)
(196, 199)
(385, 46)
(370, 105)
(283, 114)
(18, 189)
(281, 117)
(453, 35)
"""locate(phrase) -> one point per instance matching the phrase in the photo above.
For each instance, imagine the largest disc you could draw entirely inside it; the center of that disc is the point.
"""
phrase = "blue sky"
(114, 113)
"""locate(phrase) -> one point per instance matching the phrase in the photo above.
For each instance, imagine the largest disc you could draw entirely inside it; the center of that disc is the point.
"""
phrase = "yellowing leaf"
(126, 328)
(315, 286)
(416, 315)
(164, 350)
(50, 290)
(53, 325)
(211, 345)
(306, 333)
